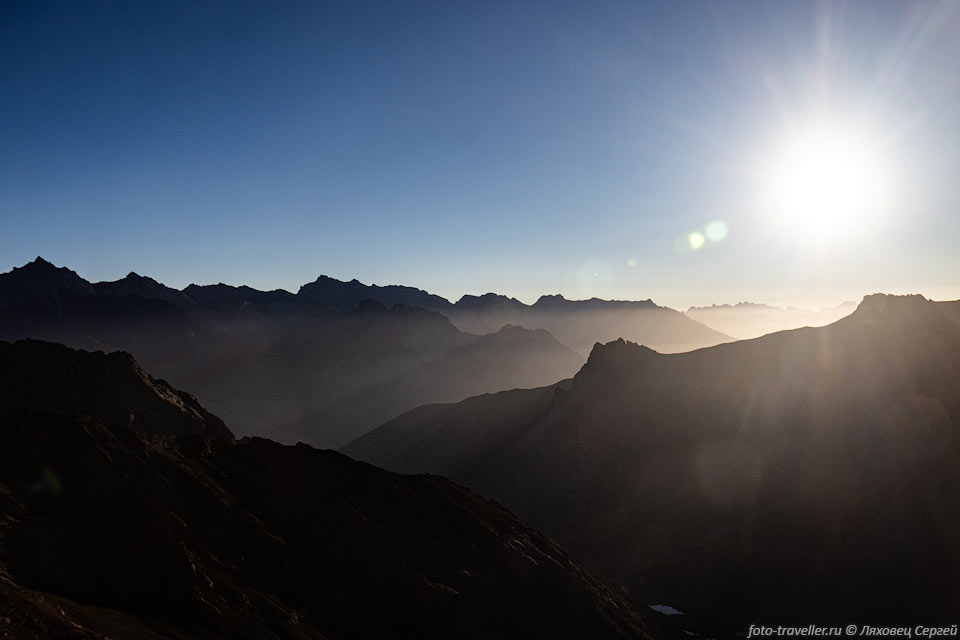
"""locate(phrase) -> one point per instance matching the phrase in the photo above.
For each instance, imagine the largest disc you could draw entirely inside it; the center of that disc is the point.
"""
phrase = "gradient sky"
(465, 147)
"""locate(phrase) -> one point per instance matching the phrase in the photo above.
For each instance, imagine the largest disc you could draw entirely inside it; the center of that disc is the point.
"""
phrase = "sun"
(826, 181)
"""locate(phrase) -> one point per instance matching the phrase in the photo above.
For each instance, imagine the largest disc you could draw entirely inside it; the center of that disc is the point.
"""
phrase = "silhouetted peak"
(883, 305)
(228, 296)
(40, 263)
(337, 295)
(549, 300)
(325, 279)
(619, 352)
(145, 287)
(325, 284)
(220, 286)
(132, 278)
(135, 279)
(44, 277)
(488, 301)
(558, 301)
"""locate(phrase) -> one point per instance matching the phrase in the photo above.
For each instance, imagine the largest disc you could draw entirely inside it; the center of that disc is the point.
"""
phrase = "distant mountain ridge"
(336, 295)
(276, 363)
(580, 324)
(145, 287)
(577, 323)
(746, 320)
(811, 474)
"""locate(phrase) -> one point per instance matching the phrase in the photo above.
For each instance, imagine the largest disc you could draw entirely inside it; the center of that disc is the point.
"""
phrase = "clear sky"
(581, 148)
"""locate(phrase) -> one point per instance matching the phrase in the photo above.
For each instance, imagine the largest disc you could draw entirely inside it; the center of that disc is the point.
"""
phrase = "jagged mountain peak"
(145, 287)
(337, 295)
(40, 270)
(39, 261)
(618, 352)
(488, 301)
(134, 277)
(40, 284)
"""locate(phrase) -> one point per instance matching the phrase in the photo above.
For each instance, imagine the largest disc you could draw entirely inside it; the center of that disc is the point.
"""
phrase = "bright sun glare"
(825, 182)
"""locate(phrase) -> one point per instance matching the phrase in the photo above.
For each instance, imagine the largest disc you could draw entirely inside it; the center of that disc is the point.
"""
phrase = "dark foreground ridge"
(113, 526)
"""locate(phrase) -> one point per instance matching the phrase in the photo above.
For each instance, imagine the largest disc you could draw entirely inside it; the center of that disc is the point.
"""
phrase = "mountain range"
(746, 320)
(327, 364)
(807, 475)
(580, 324)
(129, 511)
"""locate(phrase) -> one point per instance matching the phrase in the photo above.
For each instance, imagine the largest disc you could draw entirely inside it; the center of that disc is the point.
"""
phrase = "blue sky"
(465, 147)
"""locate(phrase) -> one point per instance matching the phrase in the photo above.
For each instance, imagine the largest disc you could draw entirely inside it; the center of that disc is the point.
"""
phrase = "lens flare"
(716, 231)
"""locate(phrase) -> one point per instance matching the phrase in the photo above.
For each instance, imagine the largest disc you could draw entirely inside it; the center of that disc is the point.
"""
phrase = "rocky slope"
(809, 475)
(127, 511)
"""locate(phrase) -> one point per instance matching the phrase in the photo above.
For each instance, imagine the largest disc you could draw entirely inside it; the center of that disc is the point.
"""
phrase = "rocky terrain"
(128, 511)
(807, 475)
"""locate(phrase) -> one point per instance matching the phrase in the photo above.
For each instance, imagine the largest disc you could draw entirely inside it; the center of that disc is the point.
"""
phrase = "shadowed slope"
(108, 530)
(808, 475)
